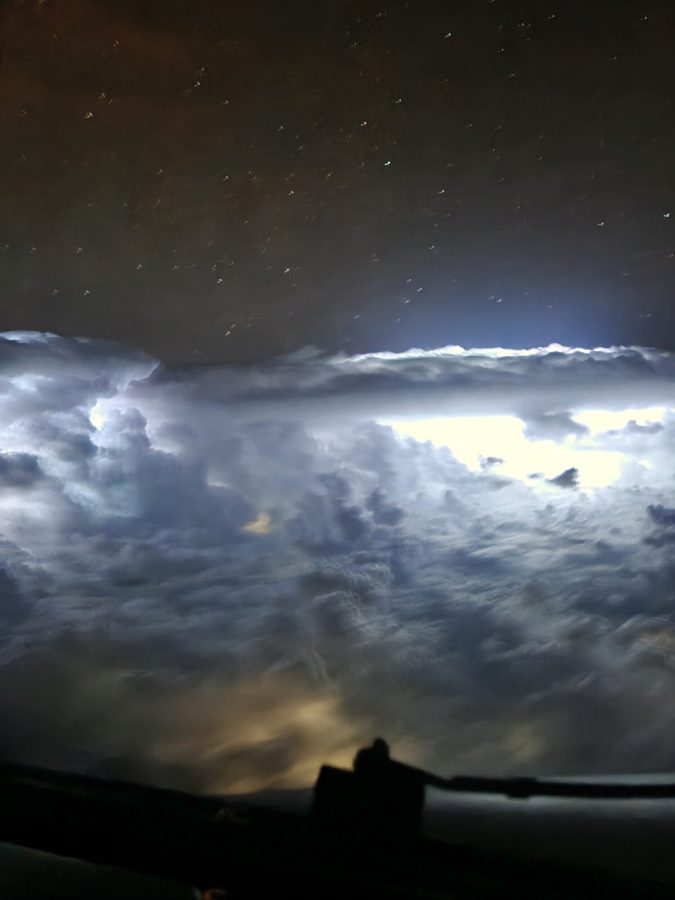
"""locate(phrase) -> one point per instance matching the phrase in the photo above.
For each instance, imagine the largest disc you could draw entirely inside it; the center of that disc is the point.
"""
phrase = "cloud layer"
(218, 578)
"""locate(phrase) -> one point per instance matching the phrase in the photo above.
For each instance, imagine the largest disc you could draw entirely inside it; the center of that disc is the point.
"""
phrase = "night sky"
(221, 181)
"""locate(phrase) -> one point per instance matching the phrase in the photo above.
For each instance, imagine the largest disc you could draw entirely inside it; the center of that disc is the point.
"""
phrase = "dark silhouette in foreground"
(379, 804)
(362, 835)
(373, 759)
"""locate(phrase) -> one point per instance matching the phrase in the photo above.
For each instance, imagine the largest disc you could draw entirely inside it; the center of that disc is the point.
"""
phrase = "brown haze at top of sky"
(224, 181)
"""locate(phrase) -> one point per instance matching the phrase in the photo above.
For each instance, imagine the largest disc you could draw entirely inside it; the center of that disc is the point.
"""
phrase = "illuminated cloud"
(259, 525)
(218, 577)
(503, 439)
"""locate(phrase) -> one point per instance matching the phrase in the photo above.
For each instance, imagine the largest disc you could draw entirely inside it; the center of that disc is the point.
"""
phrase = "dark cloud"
(383, 513)
(567, 479)
(662, 515)
(14, 607)
(663, 518)
(489, 461)
(19, 470)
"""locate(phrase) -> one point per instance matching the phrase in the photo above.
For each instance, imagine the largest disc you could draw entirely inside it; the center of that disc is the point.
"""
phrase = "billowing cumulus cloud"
(218, 578)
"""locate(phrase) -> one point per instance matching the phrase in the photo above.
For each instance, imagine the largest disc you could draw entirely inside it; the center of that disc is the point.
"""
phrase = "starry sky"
(221, 181)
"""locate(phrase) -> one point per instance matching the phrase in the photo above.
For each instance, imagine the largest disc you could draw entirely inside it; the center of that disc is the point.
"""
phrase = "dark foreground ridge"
(362, 835)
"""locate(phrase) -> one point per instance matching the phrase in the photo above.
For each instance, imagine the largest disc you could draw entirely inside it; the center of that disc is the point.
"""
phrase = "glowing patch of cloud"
(472, 439)
(601, 420)
(456, 350)
(97, 415)
(260, 714)
(260, 525)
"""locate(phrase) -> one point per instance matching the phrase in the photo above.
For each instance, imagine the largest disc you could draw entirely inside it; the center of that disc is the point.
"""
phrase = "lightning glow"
(601, 420)
(500, 443)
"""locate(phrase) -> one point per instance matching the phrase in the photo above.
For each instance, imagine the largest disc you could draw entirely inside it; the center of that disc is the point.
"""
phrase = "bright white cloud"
(601, 420)
(215, 577)
(501, 442)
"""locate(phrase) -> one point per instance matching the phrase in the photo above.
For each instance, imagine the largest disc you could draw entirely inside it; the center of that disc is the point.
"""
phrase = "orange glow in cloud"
(269, 732)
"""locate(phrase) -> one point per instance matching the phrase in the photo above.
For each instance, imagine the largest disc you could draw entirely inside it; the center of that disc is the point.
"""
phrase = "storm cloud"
(218, 578)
